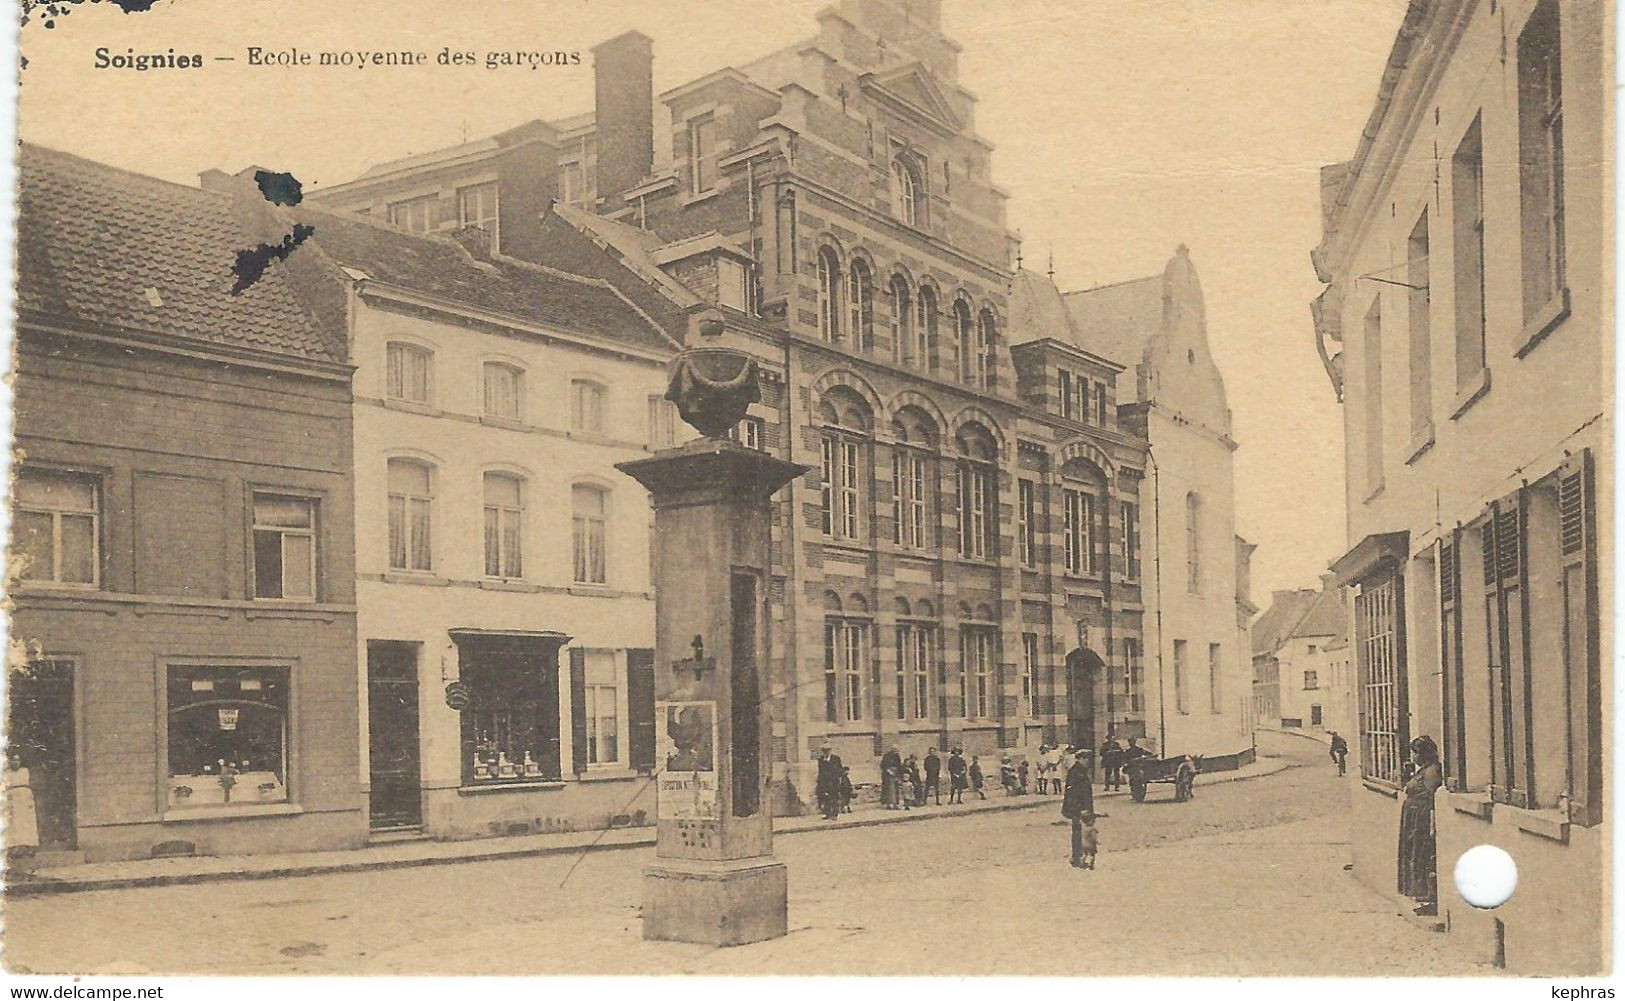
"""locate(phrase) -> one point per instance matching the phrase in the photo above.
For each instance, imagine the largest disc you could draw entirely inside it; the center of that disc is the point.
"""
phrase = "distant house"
(1297, 681)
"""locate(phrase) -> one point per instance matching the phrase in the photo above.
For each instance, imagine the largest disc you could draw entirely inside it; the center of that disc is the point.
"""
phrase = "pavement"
(409, 854)
(1250, 878)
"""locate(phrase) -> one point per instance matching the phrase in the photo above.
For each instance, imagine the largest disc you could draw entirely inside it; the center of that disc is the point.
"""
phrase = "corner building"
(1467, 328)
(963, 565)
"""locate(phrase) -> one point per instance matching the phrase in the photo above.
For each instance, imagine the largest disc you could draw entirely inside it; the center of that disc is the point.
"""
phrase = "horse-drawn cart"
(1179, 771)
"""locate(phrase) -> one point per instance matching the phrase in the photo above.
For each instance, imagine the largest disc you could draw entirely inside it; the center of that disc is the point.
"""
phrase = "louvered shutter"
(1576, 501)
(578, 710)
(640, 708)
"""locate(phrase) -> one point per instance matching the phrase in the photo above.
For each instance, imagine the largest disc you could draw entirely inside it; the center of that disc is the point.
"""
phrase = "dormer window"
(702, 154)
(908, 193)
(415, 215)
(477, 206)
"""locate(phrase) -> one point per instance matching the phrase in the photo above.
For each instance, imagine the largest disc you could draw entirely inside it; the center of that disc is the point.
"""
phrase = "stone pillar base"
(715, 903)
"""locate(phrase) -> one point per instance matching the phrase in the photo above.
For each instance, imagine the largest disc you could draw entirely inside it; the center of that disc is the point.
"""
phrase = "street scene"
(742, 487)
(925, 898)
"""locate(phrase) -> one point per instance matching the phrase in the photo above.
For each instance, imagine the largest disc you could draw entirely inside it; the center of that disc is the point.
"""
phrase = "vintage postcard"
(811, 487)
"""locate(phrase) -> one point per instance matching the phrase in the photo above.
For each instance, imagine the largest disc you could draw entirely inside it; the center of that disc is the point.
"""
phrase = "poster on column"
(686, 733)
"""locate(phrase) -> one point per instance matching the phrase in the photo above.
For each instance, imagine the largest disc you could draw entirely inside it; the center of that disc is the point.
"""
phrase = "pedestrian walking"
(956, 776)
(1340, 752)
(891, 779)
(1078, 802)
(1022, 774)
(933, 777)
(828, 787)
(977, 780)
(1418, 852)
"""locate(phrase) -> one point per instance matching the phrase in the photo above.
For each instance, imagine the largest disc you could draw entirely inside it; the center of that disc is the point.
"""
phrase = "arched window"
(410, 509)
(588, 508)
(901, 329)
(504, 526)
(586, 406)
(986, 338)
(829, 295)
(504, 388)
(860, 305)
(963, 334)
(847, 423)
(409, 373)
(913, 486)
(907, 191)
(978, 493)
(1193, 543)
(925, 328)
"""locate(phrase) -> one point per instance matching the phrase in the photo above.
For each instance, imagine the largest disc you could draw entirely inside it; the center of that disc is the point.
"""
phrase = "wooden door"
(392, 745)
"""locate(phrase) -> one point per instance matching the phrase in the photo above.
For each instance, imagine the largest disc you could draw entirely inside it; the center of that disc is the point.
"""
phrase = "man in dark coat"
(891, 779)
(956, 777)
(829, 783)
(933, 777)
(1077, 802)
(1112, 760)
(1340, 752)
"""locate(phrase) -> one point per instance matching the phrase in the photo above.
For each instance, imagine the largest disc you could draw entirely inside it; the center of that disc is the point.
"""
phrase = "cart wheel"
(1137, 790)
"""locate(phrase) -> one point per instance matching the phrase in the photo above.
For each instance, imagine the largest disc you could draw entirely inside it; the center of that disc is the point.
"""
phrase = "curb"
(49, 887)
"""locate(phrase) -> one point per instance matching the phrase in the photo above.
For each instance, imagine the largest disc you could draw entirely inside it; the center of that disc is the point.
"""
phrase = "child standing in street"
(976, 776)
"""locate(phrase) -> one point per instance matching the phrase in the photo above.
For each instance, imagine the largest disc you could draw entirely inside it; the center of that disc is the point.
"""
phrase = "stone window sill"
(1421, 441)
(411, 407)
(1473, 804)
(494, 787)
(608, 774)
(1471, 393)
(184, 815)
(423, 577)
(510, 423)
(1546, 321)
(1379, 786)
(1549, 824)
(515, 586)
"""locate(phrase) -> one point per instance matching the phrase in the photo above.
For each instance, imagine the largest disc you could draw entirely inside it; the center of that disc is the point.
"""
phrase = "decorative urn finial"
(713, 387)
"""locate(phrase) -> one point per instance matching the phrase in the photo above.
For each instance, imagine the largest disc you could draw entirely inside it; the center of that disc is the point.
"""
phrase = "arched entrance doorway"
(1084, 669)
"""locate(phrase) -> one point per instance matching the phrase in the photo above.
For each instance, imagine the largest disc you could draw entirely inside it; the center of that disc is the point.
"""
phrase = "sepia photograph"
(811, 488)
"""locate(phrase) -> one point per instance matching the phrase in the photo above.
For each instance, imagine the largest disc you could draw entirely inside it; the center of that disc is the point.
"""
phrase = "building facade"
(969, 561)
(1468, 328)
(181, 570)
(1295, 644)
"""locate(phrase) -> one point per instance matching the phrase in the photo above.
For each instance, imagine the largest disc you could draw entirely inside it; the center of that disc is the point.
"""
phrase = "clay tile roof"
(439, 268)
(93, 239)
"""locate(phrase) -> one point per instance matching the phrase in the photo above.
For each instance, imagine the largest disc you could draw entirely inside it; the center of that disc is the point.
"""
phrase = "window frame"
(407, 501)
(584, 523)
(97, 485)
(480, 189)
(599, 393)
(312, 532)
(697, 167)
(288, 756)
(505, 515)
(408, 350)
(831, 282)
(517, 373)
(977, 673)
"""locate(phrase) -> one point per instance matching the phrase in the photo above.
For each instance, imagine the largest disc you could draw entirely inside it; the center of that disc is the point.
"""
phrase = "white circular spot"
(1486, 876)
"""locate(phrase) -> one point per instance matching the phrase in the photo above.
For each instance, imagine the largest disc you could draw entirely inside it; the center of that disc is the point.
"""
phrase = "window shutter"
(578, 709)
(640, 708)
(1571, 511)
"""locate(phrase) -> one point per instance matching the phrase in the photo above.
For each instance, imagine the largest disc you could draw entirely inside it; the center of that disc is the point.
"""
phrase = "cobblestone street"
(1247, 878)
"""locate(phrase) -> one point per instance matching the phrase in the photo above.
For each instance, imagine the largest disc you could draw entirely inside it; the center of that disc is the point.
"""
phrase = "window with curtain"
(410, 509)
(504, 391)
(588, 509)
(586, 406)
(504, 526)
(408, 373)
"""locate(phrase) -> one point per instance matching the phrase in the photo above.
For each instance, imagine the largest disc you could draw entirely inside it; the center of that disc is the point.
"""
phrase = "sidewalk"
(408, 854)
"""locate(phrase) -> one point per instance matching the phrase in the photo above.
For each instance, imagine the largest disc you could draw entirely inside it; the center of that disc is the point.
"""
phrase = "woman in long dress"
(22, 820)
(1418, 851)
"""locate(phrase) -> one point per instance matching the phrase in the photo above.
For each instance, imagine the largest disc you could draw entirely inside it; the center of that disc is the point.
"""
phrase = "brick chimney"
(623, 103)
